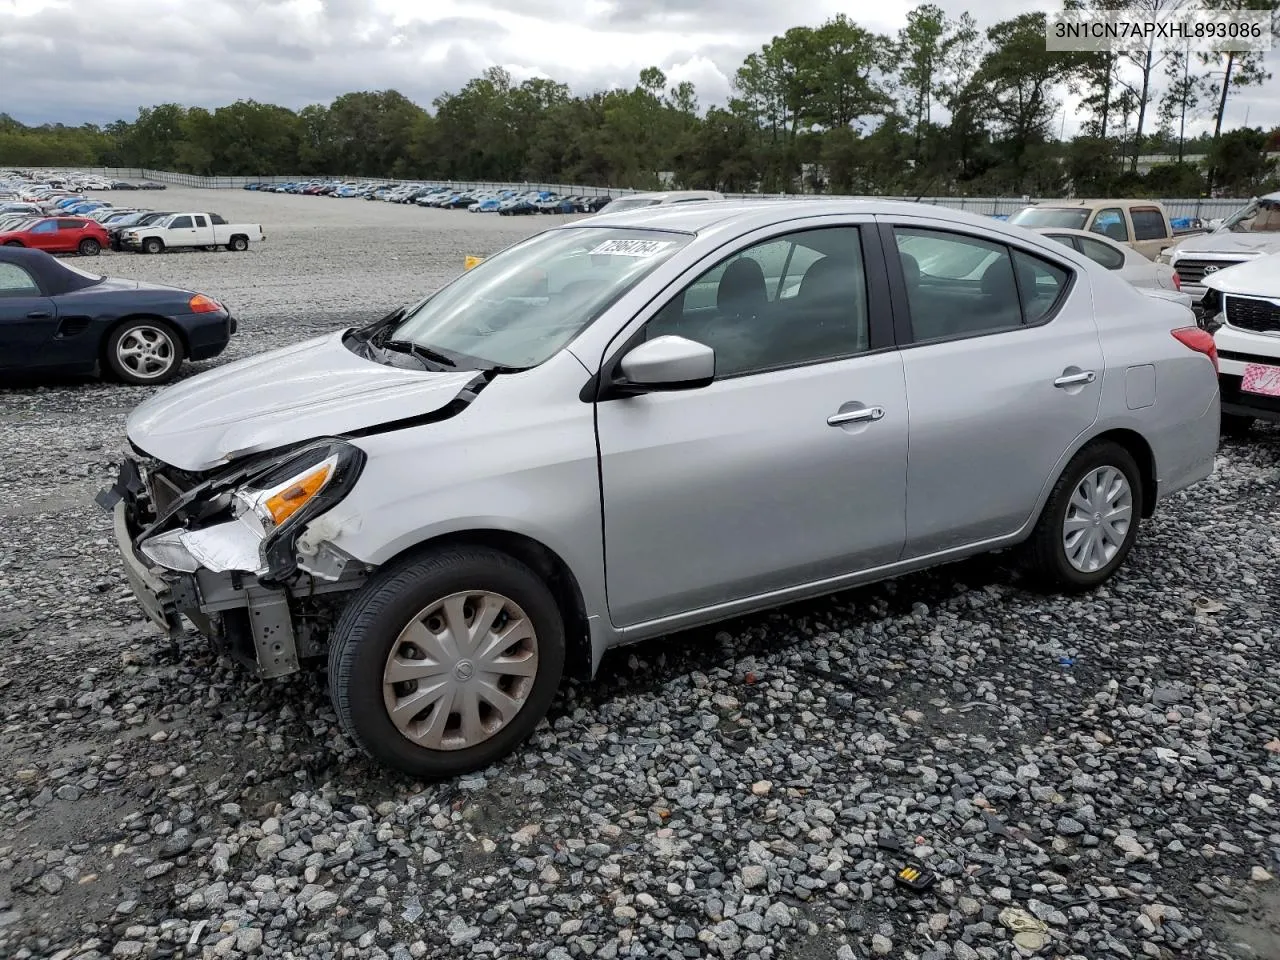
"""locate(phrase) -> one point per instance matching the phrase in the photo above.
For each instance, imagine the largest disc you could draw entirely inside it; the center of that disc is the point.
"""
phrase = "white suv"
(1242, 310)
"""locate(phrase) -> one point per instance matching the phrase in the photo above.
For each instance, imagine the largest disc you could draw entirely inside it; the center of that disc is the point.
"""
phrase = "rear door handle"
(39, 315)
(1072, 379)
(855, 416)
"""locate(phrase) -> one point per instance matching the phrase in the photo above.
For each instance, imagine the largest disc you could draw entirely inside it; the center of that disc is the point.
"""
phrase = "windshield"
(517, 309)
(1073, 218)
(1258, 216)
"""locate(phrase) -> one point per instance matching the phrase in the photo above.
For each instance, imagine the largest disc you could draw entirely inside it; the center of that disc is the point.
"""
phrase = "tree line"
(942, 108)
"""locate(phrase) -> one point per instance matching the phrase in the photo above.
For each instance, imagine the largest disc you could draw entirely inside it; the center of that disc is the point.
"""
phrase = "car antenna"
(927, 187)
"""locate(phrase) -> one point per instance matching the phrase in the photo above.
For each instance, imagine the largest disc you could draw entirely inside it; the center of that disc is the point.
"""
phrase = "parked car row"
(63, 181)
(510, 202)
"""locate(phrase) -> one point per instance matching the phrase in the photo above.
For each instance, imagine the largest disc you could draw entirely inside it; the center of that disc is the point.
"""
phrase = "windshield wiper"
(418, 350)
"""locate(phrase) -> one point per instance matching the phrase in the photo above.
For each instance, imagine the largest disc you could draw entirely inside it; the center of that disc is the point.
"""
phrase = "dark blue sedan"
(56, 318)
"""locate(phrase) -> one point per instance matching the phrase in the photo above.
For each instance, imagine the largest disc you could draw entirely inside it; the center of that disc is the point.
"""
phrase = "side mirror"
(667, 363)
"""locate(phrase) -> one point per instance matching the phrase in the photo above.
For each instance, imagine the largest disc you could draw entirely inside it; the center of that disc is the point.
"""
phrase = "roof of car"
(1096, 204)
(53, 277)
(697, 217)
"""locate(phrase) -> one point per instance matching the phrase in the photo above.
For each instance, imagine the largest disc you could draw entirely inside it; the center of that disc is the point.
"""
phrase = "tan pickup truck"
(1142, 224)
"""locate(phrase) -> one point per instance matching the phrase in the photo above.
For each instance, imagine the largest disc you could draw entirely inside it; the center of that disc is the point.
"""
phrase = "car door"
(43, 236)
(70, 233)
(181, 233)
(27, 318)
(203, 231)
(789, 467)
(1003, 370)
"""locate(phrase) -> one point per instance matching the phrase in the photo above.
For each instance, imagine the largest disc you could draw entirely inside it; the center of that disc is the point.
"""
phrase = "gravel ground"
(1098, 777)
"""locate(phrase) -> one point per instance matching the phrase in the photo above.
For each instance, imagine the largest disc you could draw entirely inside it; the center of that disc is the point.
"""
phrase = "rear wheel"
(13, 243)
(144, 352)
(1090, 522)
(238, 244)
(1236, 426)
(447, 663)
(89, 247)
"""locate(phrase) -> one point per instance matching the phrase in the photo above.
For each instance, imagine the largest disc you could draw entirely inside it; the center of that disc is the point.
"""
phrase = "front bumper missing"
(211, 602)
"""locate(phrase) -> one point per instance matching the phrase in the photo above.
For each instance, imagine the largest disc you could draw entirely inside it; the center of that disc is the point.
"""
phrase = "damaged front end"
(243, 552)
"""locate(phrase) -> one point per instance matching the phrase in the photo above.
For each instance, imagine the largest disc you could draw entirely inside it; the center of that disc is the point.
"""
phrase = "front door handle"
(39, 315)
(1073, 379)
(855, 416)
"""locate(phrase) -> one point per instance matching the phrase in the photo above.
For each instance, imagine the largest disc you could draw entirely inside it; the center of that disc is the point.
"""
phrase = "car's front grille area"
(1193, 271)
(1252, 313)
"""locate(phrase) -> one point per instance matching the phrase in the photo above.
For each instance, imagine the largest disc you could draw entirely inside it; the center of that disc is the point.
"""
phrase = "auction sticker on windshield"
(1261, 379)
(631, 248)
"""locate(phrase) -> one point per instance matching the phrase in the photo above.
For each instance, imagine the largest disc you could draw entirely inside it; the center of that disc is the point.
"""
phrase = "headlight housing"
(280, 500)
(1165, 257)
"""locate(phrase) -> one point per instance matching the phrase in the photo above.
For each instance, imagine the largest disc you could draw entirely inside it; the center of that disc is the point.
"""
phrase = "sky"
(99, 60)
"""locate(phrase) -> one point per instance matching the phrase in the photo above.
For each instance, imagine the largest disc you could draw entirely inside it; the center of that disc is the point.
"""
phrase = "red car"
(59, 235)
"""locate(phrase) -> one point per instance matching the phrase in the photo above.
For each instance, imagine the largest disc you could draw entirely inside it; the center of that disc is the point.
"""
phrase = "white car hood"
(311, 389)
(1258, 277)
(1224, 241)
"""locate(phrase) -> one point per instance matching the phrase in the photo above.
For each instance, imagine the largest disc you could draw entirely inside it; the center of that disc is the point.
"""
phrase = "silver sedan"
(641, 422)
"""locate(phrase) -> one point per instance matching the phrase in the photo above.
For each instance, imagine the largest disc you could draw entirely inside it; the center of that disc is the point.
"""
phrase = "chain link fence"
(1202, 208)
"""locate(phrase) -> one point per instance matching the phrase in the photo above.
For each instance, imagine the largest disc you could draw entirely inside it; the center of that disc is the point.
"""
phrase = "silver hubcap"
(146, 351)
(1098, 519)
(461, 670)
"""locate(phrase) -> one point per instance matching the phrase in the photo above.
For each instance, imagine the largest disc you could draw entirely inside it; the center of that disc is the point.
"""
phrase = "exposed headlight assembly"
(279, 501)
(271, 503)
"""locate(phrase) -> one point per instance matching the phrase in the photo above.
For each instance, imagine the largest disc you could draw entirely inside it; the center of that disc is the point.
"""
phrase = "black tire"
(238, 244)
(13, 243)
(153, 245)
(175, 353)
(1236, 426)
(89, 247)
(1046, 550)
(371, 624)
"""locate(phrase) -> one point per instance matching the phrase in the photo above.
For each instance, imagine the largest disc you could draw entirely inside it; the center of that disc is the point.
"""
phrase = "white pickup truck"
(207, 230)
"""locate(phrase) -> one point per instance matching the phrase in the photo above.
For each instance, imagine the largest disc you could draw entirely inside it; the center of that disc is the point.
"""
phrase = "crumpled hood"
(1257, 277)
(311, 389)
(1224, 241)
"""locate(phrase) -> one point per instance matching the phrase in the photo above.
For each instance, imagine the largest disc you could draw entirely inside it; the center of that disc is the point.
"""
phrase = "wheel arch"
(545, 562)
(1138, 448)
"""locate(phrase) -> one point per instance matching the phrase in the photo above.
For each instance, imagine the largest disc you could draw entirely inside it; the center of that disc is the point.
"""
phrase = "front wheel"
(1090, 521)
(153, 245)
(445, 664)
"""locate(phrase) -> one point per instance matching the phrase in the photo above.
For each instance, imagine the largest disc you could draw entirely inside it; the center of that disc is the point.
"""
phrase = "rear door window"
(1148, 223)
(1099, 252)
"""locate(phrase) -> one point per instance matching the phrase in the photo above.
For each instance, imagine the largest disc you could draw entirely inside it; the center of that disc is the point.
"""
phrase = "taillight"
(1177, 281)
(1200, 341)
(202, 304)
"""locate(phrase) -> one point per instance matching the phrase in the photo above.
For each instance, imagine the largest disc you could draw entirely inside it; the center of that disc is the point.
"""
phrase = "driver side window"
(1110, 223)
(791, 300)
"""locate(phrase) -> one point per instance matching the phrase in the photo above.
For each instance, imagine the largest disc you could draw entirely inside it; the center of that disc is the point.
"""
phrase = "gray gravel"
(1096, 777)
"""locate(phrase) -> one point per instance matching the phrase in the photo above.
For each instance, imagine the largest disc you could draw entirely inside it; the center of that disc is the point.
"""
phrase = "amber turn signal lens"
(202, 304)
(286, 503)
